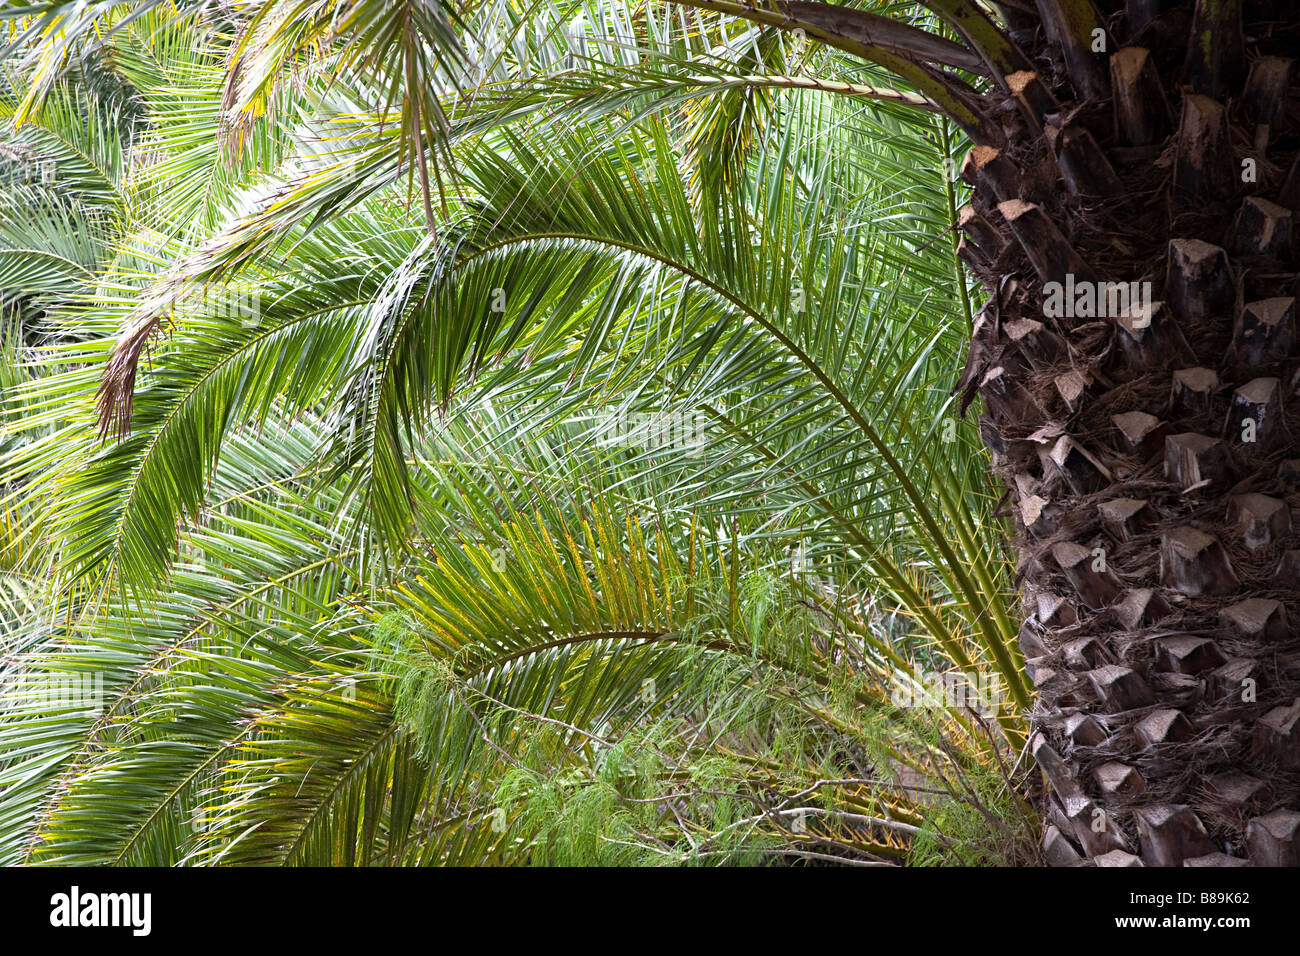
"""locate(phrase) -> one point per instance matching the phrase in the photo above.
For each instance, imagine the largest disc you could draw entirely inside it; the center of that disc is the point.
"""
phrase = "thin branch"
(954, 96)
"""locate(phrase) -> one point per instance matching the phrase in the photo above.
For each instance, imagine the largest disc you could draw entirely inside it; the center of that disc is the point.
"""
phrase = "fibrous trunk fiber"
(1139, 365)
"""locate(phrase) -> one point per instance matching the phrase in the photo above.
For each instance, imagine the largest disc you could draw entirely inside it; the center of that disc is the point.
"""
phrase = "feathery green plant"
(592, 501)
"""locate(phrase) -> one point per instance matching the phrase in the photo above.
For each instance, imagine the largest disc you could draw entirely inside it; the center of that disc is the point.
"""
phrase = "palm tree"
(1142, 442)
(640, 576)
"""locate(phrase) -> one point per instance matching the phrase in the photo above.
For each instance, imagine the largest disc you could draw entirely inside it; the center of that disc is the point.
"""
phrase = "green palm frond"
(604, 521)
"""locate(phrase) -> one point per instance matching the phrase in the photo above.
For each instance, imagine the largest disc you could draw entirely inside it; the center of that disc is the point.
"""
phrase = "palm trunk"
(1149, 447)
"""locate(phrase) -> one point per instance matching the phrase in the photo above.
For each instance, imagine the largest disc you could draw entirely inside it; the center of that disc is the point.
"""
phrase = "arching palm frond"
(607, 520)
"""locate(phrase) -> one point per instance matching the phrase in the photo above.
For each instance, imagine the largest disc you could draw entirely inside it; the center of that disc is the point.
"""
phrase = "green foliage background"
(388, 561)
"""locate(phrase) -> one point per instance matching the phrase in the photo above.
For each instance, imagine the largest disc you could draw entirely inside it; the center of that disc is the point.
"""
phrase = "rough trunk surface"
(1148, 442)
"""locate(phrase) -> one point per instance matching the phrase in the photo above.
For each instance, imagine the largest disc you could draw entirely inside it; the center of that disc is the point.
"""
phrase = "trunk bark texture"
(1139, 366)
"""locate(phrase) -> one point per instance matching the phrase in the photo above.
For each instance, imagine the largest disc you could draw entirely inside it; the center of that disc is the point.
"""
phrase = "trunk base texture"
(1139, 366)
